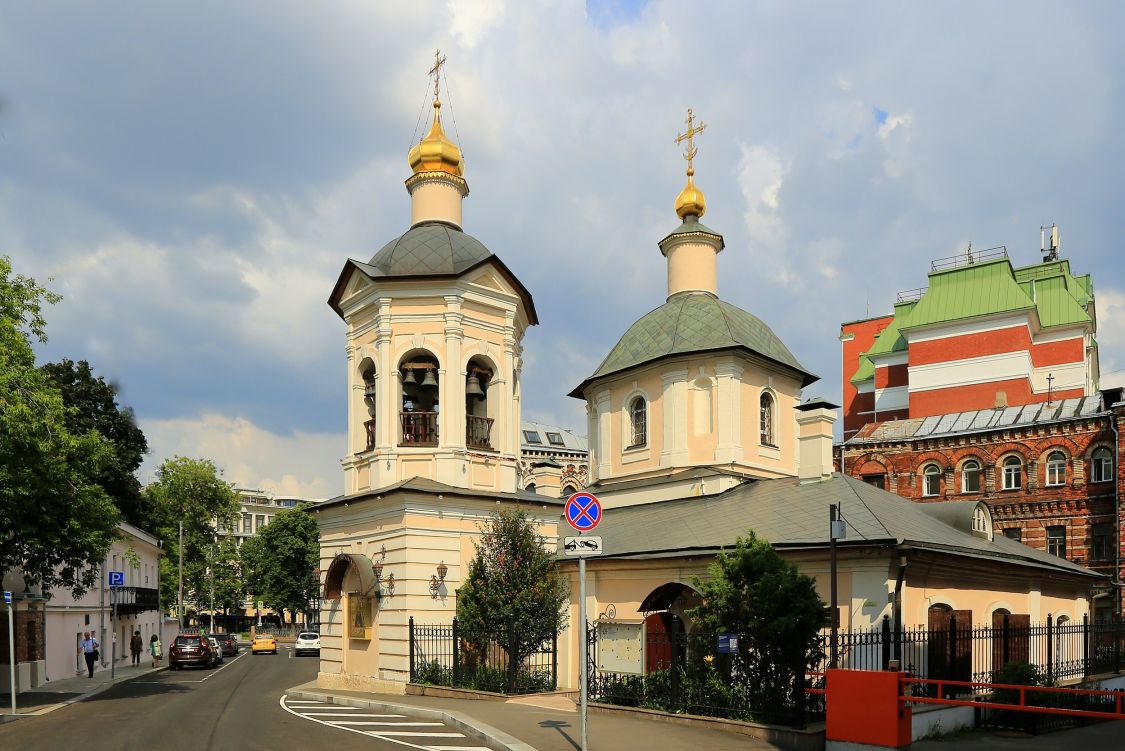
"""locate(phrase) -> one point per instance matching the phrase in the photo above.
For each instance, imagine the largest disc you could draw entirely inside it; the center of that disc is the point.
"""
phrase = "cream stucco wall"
(701, 411)
(410, 534)
(479, 316)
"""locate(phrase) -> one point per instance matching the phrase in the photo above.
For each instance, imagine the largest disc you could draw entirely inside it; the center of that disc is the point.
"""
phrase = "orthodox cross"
(1050, 377)
(689, 136)
(435, 71)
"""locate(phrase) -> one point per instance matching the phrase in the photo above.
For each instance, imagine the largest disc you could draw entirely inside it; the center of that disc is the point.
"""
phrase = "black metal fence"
(447, 655)
(687, 673)
(1059, 651)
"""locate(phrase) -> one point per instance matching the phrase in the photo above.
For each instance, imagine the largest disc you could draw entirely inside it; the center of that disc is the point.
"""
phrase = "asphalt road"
(237, 706)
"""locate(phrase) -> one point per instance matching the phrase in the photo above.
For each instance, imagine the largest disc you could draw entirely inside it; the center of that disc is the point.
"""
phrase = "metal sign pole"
(583, 671)
(11, 653)
(113, 626)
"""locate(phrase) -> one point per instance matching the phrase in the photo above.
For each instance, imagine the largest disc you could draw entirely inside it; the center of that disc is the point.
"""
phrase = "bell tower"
(435, 324)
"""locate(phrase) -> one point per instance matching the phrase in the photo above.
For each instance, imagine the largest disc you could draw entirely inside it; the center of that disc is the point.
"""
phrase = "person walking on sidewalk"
(89, 650)
(154, 649)
(136, 646)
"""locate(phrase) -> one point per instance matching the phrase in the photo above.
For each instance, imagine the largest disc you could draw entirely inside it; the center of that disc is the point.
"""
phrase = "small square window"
(1013, 533)
(555, 439)
(532, 436)
(1056, 541)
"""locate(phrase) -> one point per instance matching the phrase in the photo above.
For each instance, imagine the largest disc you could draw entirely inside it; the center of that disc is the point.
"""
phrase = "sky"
(192, 177)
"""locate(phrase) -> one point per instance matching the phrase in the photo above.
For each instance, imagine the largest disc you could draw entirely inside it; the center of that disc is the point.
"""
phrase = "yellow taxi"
(263, 643)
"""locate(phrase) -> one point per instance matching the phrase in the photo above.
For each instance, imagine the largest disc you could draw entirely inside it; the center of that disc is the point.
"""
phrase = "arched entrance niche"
(666, 623)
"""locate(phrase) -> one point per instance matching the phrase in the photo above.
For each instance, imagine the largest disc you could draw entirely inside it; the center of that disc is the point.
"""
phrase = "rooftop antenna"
(969, 253)
(1049, 244)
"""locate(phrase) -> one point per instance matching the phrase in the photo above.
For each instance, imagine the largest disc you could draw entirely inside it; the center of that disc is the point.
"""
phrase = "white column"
(674, 408)
(387, 405)
(729, 408)
(605, 445)
(592, 474)
(452, 381)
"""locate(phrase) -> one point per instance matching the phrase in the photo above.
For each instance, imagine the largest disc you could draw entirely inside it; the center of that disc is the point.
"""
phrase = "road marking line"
(344, 714)
(457, 748)
(384, 734)
(396, 741)
(387, 724)
(224, 667)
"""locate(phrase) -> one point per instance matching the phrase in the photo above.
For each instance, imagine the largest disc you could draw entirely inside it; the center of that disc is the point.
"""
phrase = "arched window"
(931, 480)
(478, 421)
(970, 476)
(982, 522)
(765, 409)
(1101, 469)
(530, 487)
(1013, 473)
(638, 422)
(1056, 468)
(568, 491)
(418, 377)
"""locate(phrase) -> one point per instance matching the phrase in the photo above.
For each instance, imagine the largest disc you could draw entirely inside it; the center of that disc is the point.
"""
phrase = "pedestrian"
(136, 646)
(154, 649)
(89, 650)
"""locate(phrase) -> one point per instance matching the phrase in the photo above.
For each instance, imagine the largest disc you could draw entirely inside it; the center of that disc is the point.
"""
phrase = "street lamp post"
(180, 604)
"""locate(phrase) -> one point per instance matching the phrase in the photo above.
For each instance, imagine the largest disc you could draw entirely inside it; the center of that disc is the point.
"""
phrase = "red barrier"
(1117, 696)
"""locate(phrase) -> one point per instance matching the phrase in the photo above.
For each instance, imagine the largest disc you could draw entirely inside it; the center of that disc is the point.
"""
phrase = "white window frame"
(1009, 470)
(638, 408)
(1056, 469)
(927, 475)
(964, 476)
(1101, 465)
(767, 424)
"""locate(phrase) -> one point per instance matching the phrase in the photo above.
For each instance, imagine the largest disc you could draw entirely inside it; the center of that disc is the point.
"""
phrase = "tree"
(56, 522)
(775, 611)
(282, 560)
(252, 566)
(226, 578)
(92, 406)
(193, 492)
(514, 592)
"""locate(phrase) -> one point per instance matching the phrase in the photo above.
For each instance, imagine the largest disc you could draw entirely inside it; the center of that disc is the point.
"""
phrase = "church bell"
(472, 387)
(429, 382)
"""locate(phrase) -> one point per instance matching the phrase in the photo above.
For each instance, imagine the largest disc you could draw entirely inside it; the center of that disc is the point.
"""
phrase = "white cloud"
(893, 123)
(473, 19)
(250, 456)
(761, 174)
(1111, 328)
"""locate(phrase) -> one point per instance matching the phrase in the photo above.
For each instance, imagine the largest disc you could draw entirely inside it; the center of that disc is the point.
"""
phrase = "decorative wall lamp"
(391, 584)
(437, 580)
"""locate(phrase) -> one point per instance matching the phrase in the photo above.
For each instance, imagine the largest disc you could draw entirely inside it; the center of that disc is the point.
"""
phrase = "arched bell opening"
(367, 375)
(418, 396)
(479, 407)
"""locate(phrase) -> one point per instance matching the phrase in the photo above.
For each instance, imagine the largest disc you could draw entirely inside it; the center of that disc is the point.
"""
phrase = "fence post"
(456, 655)
(674, 635)
(1085, 644)
(413, 673)
(885, 642)
(951, 669)
(1006, 642)
(1117, 643)
(1050, 649)
(513, 651)
(555, 660)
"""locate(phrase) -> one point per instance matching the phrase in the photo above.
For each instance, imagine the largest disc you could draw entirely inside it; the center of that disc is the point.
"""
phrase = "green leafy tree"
(193, 492)
(773, 608)
(226, 577)
(514, 591)
(92, 406)
(252, 566)
(284, 558)
(56, 521)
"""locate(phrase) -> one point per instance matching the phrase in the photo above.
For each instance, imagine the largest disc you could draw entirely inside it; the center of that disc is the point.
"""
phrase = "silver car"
(308, 642)
(217, 649)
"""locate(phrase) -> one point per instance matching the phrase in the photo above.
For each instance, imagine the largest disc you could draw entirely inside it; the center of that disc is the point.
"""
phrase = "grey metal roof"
(979, 420)
(571, 440)
(689, 323)
(433, 487)
(428, 249)
(790, 514)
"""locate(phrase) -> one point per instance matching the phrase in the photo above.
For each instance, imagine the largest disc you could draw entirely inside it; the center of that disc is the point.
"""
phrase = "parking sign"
(117, 578)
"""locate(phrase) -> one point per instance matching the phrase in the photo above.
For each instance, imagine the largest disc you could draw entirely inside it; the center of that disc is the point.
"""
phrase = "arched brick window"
(1101, 465)
(970, 476)
(1056, 468)
(931, 480)
(1013, 473)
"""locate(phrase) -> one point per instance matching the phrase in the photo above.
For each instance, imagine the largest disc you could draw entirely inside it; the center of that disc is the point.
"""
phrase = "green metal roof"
(1057, 306)
(889, 340)
(694, 322)
(967, 292)
(429, 249)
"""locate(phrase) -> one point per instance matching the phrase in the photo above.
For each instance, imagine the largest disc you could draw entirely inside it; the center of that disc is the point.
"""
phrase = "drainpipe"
(898, 608)
(1117, 511)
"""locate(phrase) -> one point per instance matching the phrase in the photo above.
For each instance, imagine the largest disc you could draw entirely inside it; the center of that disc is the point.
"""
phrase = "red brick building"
(1051, 473)
(983, 334)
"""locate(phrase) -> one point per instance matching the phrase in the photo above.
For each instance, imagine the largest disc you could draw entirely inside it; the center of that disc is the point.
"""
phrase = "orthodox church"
(697, 434)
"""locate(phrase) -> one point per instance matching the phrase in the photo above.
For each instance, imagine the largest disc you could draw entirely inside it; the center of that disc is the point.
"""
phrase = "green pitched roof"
(967, 292)
(889, 340)
(1057, 305)
(690, 323)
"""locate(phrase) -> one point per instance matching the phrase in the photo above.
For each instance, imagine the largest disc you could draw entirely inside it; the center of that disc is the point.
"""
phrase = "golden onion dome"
(690, 200)
(436, 152)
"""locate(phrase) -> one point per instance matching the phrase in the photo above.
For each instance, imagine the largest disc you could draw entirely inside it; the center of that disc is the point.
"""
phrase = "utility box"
(863, 710)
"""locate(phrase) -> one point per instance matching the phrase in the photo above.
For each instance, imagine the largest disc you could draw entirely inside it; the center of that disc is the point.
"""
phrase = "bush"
(434, 674)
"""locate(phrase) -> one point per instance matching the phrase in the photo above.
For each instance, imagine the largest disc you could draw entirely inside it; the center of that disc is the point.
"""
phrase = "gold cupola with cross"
(437, 186)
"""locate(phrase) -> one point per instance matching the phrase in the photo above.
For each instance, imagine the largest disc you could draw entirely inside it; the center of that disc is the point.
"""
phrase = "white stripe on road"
(383, 734)
(389, 724)
(225, 666)
(396, 741)
(345, 714)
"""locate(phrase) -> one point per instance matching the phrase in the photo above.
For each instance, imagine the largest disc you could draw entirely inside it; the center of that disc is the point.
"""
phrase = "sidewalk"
(55, 694)
(545, 729)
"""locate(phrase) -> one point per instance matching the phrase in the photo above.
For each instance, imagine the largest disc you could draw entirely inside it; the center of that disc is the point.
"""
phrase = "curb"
(494, 738)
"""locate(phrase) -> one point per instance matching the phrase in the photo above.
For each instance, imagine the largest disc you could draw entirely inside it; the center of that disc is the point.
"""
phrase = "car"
(191, 648)
(227, 643)
(308, 642)
(263, 643)
(217, 648)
